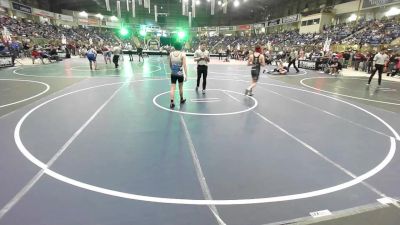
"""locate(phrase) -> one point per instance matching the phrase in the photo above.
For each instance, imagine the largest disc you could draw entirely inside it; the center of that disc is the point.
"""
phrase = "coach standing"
(202, 57)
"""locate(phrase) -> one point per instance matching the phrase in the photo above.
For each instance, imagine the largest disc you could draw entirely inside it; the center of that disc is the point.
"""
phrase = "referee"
(202, 57)
(293, 56)
(379, 61)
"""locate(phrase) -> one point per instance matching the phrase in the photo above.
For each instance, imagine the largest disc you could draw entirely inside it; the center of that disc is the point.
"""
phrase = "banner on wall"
(44, 13)
(291, 19)
(112, 24)
(93, 21)
(21, 8)
(376, 3)
(83, 21)
(5, 61)
(274, 22)
(227, 28)
(5, 3)
(64, 17)
(244, 27)
(259, 25)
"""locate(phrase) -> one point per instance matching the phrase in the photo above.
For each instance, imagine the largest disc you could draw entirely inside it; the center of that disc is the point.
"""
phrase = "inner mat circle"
(247, 109)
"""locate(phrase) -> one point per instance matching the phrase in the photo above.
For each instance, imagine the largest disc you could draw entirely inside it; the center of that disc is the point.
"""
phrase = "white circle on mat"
(348, 96)
(29, 98)
(138, 197)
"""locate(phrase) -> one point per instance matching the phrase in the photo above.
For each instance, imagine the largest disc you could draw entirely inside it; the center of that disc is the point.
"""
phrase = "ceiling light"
(113, 18)
(99, 16)
(236, 3)
(219, 3)
(352, 18)
(83, 14)
(393, 12)
(198, 2)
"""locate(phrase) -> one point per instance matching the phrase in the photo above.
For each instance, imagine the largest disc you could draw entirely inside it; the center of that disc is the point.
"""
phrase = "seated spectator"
(334, 66)
(36, 55)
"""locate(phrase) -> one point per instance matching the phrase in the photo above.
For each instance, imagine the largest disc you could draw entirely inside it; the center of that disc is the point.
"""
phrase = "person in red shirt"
(36, 55)
(358, 58)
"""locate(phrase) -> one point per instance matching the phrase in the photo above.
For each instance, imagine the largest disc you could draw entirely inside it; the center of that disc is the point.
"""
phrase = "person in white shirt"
(202, 57)
(130, 52)
(380, 60)
(220, 52)
(117, 53)
(293, 57)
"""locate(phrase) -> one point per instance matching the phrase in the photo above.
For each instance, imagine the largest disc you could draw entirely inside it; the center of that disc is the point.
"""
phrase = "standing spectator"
(140, 52)
(358, 57)
(391, 65)
(370, 61)
(346, 57)
(130, 52)
(220, 52)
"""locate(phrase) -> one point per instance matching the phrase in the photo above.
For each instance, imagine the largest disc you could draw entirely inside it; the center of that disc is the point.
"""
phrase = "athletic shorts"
(255, 77)
(175, 78)
(92, 59)
(255, 73)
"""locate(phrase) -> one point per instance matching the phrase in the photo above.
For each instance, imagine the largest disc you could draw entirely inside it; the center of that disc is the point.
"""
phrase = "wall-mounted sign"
(83, 21)
(244, 27)
(5, 3)
(259, 25)
(93, 21)
(376, 3)
(291, 19)
(113, 24)
(44, 13)
(64, 17)
(305, 64)
(5, 61)
(22, 8)
(274, 22)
